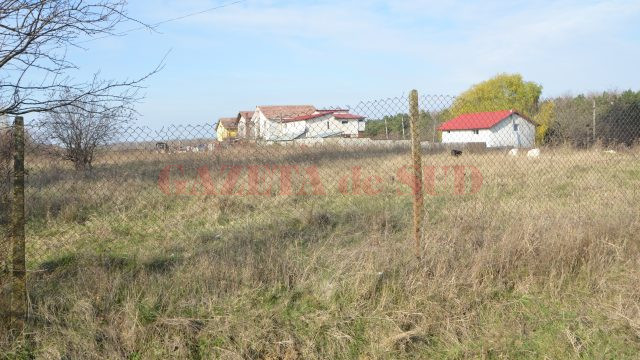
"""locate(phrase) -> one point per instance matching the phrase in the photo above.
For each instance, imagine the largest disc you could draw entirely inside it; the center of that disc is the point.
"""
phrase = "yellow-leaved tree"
(544, 118)
(502, 92)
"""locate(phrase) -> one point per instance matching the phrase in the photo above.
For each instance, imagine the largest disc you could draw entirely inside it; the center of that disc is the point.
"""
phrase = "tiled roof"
(246, 114)
(338, 114)
(286, 111)
(229, 123)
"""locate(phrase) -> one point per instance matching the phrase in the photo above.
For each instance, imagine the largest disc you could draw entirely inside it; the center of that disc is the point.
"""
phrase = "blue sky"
(331, 53)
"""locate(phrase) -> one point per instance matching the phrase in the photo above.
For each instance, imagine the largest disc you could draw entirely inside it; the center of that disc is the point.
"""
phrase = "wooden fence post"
(416, 155)
(5, 241)
(19, 285)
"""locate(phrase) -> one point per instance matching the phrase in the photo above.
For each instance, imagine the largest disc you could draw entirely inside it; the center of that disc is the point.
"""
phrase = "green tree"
(398, 127)
(502, 92)
(621, 122)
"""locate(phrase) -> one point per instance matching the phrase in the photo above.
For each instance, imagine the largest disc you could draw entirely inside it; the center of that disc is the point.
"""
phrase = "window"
(448, 131)
(476, 132)
(515, 127)
(327, 125)
(344, 122)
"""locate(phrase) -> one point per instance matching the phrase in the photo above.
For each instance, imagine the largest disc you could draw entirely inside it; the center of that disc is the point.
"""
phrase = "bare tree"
(35, 36)
(80, 129)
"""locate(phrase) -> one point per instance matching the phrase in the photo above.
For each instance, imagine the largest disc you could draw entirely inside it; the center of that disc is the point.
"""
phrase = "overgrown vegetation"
(534, 265)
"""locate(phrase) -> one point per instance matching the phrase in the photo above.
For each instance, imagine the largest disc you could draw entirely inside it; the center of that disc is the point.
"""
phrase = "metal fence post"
(19, 286)
(418, 198)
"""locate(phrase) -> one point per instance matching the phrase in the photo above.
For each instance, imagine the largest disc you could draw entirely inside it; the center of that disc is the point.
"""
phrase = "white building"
(506, 128)
(246, 128)
(284, 123)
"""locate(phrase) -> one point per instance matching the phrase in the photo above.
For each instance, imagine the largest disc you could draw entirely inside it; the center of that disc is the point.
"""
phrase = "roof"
(245, 114)
(286, 111)
(334, 110)
(311, 116)
(228, 123)
(348, 116)
(480, 120)
(338, 114)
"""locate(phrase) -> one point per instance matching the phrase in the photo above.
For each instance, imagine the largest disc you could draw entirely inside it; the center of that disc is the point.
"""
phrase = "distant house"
(227, 129)
(268, 120)
(507, 128)
(283, 123)
(246, 128)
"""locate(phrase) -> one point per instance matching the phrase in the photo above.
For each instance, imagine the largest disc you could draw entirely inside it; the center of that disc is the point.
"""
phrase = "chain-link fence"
(290, 173)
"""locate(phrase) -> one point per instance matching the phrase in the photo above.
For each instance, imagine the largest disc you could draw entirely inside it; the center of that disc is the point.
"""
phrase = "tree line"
(608, 118)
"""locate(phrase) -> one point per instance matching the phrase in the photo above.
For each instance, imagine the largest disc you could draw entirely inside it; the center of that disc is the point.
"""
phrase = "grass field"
(542, 262)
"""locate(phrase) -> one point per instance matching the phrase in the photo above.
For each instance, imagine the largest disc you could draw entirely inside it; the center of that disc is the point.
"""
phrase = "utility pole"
(593, 125)
(402, 126)
(433, 120)
(386, 128)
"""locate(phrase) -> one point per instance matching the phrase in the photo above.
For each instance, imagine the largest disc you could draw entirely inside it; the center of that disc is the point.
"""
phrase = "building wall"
(242, 128)
(267, 129)
(466, 136)
(322, 125)
(351, 127)
(249, 129)
(223, 134)
(503, 134)
(246, 129)
(500, 135)
(328, 123)
(293, 127)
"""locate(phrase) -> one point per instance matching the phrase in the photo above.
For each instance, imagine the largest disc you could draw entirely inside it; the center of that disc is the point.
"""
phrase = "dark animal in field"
(162, 147)
(456, 153)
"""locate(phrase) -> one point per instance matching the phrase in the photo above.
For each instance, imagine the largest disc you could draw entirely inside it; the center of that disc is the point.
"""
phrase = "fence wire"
(142, 191)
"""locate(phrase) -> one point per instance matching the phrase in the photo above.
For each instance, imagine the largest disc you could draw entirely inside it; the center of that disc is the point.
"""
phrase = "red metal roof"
(481, 120)
(308, 117)
(348, 116)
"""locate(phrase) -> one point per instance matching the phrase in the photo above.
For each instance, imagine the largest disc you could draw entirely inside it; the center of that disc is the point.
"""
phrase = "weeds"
(536, 264)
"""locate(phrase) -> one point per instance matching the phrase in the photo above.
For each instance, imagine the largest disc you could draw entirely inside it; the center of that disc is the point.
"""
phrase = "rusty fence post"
(19, 281)
(416, 156)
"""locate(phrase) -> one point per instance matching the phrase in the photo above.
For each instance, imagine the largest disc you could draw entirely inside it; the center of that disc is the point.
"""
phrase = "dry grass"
(542, 262)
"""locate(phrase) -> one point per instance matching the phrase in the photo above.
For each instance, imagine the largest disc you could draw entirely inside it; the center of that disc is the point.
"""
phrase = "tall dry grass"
(542, 262)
